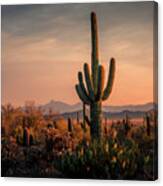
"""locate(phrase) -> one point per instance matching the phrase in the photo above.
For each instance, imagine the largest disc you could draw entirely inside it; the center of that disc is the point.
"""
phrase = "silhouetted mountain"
(61, 107)
(133, 108)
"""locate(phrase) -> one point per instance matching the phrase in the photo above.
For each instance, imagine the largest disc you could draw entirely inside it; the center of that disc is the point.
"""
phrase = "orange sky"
(43, 48)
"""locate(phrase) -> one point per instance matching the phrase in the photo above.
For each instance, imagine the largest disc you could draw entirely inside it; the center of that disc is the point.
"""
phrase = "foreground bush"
(110, 159)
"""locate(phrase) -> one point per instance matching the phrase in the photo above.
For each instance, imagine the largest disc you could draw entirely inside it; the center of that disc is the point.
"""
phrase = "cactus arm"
(110, 81)
(81, 83)
(95, 58)
(101, 76)
(88, 81)
(81, 94)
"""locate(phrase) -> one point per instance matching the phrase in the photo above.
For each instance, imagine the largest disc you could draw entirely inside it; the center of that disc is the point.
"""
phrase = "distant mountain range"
(61, 107)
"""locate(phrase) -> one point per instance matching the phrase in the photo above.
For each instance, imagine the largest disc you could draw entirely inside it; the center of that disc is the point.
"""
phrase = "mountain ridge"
(62, 107)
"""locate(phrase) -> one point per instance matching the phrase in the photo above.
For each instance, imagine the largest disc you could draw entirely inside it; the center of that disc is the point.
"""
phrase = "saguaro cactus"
(26, 136)
(70, 126)
(148, 126)
(95, 92)
(126, 123)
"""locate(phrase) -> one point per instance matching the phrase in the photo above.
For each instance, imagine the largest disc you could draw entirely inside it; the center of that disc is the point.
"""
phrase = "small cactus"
(148, 127)
(126, 124)
(70, 126)
(77, 117)
(26, 136)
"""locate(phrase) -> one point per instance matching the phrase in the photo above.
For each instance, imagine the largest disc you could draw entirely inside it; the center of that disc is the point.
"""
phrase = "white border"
(42, 182)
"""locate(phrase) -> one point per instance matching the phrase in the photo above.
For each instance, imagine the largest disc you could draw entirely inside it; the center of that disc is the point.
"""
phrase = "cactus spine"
(95, 93)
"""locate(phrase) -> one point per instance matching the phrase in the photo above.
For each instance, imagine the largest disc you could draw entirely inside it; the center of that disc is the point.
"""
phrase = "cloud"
(44, 43)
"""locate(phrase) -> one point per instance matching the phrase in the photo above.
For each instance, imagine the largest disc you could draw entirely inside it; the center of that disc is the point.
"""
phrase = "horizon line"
(40, 104)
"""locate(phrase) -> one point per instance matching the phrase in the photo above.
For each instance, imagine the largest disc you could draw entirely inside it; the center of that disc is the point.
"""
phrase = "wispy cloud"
(44, 45)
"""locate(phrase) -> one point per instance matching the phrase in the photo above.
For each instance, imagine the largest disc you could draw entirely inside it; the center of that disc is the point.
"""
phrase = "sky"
(44, 47)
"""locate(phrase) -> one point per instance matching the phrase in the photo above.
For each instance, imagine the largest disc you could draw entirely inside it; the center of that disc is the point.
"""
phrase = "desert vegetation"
(35, 145)
(92, 146)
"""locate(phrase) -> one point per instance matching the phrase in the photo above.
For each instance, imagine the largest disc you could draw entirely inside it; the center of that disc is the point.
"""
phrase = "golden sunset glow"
(43, 48)
(79, 91)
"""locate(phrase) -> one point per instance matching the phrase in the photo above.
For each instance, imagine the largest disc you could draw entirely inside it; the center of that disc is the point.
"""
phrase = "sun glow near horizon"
(41, 56)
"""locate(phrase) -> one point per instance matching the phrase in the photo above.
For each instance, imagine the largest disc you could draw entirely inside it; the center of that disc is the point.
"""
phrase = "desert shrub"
(56, 152)
(110, 159)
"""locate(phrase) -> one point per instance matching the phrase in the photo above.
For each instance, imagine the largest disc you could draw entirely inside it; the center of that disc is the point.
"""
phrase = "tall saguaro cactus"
(95, 93)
